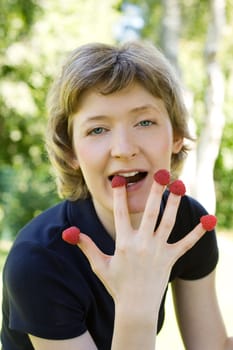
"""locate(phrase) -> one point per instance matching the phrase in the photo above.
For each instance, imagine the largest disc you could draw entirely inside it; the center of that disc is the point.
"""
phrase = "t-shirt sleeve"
(202, 258)
(42, 298)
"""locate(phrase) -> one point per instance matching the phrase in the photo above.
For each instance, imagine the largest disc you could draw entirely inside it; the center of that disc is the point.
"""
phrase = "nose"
(124, 145)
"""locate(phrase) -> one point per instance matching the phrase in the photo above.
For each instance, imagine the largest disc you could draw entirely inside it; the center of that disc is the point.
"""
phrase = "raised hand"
(143, 259)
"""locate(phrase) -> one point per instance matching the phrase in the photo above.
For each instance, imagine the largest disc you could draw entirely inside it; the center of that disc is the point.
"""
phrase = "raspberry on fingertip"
(118, 181)
(71, 235)
(162, 177)
(177, 187)
(208, 222)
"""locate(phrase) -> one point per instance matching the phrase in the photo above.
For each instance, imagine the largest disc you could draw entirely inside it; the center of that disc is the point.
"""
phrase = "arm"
(83, 342)
(198, 314)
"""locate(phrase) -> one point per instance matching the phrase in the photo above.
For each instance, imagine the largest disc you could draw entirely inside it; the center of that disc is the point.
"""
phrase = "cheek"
(88, 155)
(167, 141)
(162, 144)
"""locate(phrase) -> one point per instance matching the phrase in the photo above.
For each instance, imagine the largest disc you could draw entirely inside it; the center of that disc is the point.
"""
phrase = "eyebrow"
(145, 107)
(133, 110)
(142, 108)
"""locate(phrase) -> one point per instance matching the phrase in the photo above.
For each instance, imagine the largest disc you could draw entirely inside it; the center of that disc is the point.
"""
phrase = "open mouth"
(132, 177)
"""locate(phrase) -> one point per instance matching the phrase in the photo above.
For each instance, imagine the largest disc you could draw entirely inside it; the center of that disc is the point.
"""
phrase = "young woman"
(115, 113)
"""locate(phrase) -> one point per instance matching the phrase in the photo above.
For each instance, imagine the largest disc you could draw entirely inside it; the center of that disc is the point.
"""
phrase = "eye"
(97, 131)
(146, 123)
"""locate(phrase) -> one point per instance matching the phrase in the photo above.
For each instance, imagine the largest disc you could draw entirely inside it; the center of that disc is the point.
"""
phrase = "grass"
(169, 337)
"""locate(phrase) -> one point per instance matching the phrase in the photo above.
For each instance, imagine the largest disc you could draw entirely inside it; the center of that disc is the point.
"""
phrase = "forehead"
(131, 98)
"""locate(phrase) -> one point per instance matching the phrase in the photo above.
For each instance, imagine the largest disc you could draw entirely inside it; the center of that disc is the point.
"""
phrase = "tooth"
(132, 173)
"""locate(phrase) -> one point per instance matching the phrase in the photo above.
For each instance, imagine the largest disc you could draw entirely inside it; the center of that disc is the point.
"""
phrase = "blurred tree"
(34, 37)
(170, 31)
(184, 30)
(214, 120)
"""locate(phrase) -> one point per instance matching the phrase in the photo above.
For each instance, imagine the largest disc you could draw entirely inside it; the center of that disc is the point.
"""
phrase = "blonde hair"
(111, 68)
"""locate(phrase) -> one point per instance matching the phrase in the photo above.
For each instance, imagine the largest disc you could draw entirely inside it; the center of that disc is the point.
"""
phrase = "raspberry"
(71, 235)
(208, 222)
(118, 181)
(177, 187)
(162, 176)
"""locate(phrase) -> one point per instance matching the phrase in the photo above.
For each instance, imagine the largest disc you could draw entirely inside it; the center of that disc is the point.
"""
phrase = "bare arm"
(198, 314)
(83, 342)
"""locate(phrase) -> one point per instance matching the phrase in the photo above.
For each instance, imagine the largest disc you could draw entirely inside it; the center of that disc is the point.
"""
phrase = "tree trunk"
(170, 37)
(211, 134)
(199, 168)
(170, 31)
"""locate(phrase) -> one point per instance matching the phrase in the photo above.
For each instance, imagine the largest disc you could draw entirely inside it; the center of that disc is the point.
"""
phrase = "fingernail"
(71, 235)
(177, 187)
(162, 176)
(208, 222)
(118, 181)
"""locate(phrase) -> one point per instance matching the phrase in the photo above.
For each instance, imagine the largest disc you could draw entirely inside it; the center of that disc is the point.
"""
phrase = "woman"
(115, 113)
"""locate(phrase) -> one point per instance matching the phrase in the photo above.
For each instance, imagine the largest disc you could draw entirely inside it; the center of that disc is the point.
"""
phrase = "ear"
(177, 144)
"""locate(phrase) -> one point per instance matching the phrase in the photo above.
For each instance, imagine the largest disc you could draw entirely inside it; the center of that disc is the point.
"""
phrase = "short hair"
(111, 68)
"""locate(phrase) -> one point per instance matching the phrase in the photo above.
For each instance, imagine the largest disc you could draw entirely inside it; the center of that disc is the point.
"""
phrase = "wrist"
(137, 313)
(134, 328)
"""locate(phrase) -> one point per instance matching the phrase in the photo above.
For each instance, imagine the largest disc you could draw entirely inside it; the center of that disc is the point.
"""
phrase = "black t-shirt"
(49, 289)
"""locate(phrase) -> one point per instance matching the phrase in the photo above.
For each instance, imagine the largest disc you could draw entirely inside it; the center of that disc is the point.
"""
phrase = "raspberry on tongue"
(162, 176)
(208, 222)
(177, 187)
(71, 235)
(118, 181)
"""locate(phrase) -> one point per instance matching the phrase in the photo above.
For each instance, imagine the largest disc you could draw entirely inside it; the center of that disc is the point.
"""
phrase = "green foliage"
(34, 37)
(195, 17)
(24, 194)
(224, 165)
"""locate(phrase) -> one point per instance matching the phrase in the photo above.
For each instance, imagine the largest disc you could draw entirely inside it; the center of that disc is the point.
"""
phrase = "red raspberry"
(71, 235)
(118, 181)
(177, 187)
(162, 176)
(208, 222)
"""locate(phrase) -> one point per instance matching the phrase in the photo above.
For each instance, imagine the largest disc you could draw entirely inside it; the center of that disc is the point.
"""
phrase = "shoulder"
(39, 250)
(47, 226)
(188, 215)
(188, 203)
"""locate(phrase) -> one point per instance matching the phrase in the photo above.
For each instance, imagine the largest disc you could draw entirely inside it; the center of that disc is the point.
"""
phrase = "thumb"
(97, 259)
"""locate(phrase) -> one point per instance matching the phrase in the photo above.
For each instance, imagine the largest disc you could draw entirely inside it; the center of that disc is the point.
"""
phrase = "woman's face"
(127, 132)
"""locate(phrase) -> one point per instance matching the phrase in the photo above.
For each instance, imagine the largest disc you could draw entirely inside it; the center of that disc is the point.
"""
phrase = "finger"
(169, 216)
(189, 240)
(152, 208)
(162, 178)
(121, 212)
(97, 259)
(177, 190)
